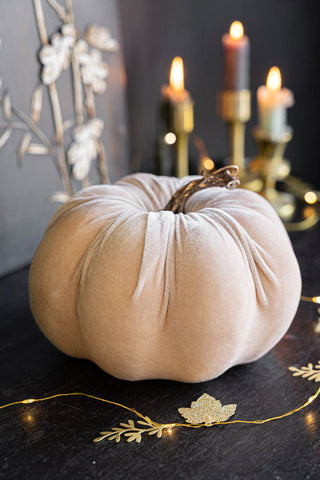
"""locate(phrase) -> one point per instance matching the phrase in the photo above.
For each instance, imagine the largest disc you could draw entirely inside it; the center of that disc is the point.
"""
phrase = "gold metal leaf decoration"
(207, 410)
(133, 433)
(309, 372)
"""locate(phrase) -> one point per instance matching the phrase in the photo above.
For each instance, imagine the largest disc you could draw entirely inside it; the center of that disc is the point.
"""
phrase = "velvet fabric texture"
(146, 293)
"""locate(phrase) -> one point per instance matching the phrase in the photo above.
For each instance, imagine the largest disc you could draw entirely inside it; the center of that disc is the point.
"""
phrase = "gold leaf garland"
(204, 412)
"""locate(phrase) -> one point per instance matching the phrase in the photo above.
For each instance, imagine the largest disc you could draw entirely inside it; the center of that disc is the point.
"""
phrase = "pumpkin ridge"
(150, 198)
(246, 245)
(169, 268)
(123, 200)
(103, 236)
(64, 211)
(139, 285)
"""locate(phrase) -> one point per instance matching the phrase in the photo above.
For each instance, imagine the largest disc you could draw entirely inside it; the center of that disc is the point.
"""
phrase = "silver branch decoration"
(82, 52)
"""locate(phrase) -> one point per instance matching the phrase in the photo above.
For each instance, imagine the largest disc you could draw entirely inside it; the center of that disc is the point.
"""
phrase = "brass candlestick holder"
(176, 124)
(180, 122)
(234, 108)
(270, 167)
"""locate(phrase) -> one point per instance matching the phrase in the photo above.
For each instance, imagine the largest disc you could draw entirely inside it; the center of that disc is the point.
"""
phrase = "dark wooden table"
(53, 440)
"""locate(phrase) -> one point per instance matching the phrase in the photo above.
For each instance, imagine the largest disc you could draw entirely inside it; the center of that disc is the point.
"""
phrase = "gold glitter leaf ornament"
(207, 410)
(132, 432)
(309, 372)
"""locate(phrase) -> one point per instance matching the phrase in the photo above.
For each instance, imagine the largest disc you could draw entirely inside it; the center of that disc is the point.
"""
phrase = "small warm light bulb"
(170, 138)
(176, 75)
(274, 79)
(28, 418)
(310, 418)
(311, 198)
(236, 30)
(29, 400)
(169, 431)
(316, 299)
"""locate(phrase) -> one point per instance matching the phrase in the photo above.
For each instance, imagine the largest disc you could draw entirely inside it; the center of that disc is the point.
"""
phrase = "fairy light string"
(168, 426)
(310, 299)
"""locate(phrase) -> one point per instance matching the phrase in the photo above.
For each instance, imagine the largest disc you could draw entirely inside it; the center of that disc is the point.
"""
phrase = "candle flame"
(176, 75)
(274, 79)
(236, 30)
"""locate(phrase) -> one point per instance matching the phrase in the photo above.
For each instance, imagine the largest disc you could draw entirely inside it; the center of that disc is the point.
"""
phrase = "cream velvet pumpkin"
(146, 293)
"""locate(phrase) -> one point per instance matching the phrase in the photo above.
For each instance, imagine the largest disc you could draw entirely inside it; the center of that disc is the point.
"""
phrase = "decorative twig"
(103, 163)
(69, 11)
(14, 125)
(102, 156)
(77, 85)
(78, 99)
(57, 54)
(59, 137)
(90, 103)
(60, 11)
(40, 22)
(55, 103)
(32, 127)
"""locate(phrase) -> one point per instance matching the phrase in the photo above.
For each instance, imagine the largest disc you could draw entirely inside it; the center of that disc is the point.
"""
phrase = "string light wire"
(166, 425)
(310, 299)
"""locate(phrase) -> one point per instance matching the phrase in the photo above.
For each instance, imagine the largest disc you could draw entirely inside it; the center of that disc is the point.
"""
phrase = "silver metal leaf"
(63, 197)
(4, 137)
(60, 11)
(23, 148)
(6, 106)
(37, 149)
(36, 104)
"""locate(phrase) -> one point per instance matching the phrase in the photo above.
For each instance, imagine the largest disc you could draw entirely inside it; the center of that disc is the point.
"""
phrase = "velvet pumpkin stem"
(224, 177)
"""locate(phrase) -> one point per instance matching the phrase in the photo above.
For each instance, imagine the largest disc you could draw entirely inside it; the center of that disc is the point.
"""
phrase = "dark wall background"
(282, 32)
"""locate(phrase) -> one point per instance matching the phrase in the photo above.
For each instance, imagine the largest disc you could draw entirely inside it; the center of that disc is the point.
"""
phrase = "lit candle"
(236, 47)
(273, 102)
(177, 78)
(177, 109)
(175, 94)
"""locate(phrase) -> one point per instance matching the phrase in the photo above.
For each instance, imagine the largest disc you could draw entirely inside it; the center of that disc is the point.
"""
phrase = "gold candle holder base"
(270, 167)
(181, 124)
(234, 108)
(176, 115)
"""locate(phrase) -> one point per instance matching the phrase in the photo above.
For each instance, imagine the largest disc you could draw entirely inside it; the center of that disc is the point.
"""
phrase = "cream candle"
(273, 102)
(236, 48)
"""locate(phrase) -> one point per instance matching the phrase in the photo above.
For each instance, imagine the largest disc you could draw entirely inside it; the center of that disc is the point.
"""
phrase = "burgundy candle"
(236, 47)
